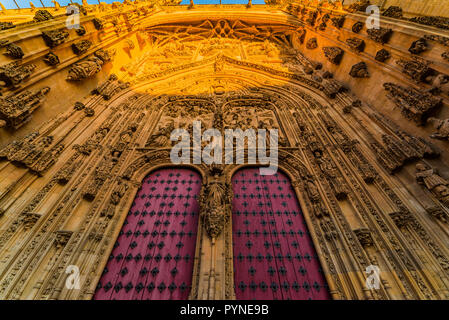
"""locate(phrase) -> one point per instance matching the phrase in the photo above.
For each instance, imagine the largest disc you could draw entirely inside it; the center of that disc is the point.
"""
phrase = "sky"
(9, 4)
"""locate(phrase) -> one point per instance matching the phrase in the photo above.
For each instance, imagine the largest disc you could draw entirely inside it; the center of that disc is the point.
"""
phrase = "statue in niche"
(215, 199)
(429, 177)
(162, 137)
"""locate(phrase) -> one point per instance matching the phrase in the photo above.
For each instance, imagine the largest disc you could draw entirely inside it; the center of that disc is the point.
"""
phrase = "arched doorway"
(274, 257)
(154, 253)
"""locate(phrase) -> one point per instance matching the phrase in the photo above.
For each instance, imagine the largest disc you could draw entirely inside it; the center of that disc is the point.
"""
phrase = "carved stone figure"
(85, 69)
(442, 127)
(364, 237)
(414, 104)
(429, 178)
(14, 51)
(17, 109)
(416, 69)
(162, 136)
(215, 206)
(13, 73)
(331, 172)
(110, 87)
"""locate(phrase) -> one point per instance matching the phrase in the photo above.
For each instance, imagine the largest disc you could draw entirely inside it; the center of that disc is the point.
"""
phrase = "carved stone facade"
(372, 185)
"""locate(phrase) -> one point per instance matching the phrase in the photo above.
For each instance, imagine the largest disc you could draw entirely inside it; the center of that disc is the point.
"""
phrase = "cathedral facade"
(93, 207)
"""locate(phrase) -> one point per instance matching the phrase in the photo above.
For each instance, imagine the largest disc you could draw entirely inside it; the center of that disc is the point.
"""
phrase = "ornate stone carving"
(17, 109)
(98, 23)
(118, 192)
(85, 69)
(438, 213)
(364, 237)
(89, 112)
(51, 59)
(439, 22)
(357, 27)
(418, 46)
(338, 22)
(81, 47)
(103, 55)
(442, 127)
(53, 38)
(429, 178)
(66, 172)
(445, 55)
(4, 25)
(416, 69)
(81, 31)
(382, 55)
(101, 174)
(311, 18)
(401, 218)
(29, 219)
(42, 15)
(359, 70)
(356, 44)
(110, 87)
(215, 204)
(393, 12)
(47, 160)
(62, 237)
(162, 136)
(311, 44)
(333, 54)
(332, 174)
(332, 87)
(360, 5)
(13, 73)
(381, 35)
(14, 51)
(414, 104)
